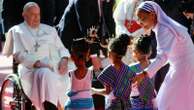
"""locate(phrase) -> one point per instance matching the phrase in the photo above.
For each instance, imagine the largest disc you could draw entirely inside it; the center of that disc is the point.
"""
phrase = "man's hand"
(39, 64)
(63, 65)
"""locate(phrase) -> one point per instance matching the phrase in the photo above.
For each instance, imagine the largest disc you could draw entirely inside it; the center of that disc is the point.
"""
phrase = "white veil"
(177, 29)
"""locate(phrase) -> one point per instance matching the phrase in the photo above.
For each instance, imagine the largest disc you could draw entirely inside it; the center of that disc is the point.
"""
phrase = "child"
(81, 78)
(174, 46)
(142, 94)
(117, 77)
(188, 11)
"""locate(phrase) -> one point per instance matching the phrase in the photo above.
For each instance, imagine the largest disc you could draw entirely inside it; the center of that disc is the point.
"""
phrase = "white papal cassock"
(43, 44)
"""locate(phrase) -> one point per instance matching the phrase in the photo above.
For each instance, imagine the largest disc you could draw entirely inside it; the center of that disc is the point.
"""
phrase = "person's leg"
(99, 102)
(45, 88)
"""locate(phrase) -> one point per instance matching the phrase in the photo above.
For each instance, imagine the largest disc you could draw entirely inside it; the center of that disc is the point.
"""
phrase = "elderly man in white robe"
(43, 59)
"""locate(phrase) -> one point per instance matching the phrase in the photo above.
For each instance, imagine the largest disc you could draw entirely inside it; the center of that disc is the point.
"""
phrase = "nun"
(174, 47)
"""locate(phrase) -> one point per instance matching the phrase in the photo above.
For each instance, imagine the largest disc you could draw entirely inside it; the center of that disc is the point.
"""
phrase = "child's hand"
(134, 85)
(138, 78)
(63, 66)
(93, 31)
(59, 106)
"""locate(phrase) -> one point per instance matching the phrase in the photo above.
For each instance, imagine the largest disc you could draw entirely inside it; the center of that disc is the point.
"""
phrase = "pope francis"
(43, 59)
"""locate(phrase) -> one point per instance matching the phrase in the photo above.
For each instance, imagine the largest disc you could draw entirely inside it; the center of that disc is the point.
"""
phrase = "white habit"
(174, 45)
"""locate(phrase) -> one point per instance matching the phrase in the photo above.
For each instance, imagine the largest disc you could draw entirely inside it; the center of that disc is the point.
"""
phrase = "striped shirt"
(119, 80)
(146, 88)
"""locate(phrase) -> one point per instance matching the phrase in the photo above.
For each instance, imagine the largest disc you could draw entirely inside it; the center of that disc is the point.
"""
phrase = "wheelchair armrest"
(15, 78)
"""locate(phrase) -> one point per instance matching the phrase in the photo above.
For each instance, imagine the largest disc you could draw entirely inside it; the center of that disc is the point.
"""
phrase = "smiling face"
(146, 19)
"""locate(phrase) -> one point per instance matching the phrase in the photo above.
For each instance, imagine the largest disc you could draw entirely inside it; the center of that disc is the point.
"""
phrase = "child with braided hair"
(142, 94)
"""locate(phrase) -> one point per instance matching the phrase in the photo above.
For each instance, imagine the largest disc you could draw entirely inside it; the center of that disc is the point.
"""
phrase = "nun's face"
(146, 19)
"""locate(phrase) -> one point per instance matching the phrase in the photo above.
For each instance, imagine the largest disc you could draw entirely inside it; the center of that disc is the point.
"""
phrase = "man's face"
(32, 16)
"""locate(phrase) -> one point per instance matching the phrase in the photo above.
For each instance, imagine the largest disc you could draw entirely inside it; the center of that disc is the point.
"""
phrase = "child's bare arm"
(103, 91)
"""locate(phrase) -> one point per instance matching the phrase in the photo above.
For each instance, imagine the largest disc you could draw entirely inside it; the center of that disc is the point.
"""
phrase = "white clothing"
(176, 92)
(127, 59)
(105, 62)
(125, 10)
(174, 45)
(39, 84)
(83, 85)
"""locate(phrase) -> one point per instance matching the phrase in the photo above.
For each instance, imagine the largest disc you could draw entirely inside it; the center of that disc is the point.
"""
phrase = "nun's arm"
(166, 42)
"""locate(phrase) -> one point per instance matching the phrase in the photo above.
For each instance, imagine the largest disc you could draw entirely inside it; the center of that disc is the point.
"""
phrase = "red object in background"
(132, 25)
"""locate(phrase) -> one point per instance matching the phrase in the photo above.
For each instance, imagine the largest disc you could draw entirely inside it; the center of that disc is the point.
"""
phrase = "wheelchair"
(12, 96)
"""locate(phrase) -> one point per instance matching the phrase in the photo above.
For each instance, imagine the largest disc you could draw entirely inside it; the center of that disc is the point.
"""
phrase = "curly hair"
(80, 48)
(119, 45)
(142, 44)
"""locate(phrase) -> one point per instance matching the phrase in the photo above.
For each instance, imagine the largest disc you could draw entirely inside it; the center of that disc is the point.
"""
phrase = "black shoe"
(49, 106)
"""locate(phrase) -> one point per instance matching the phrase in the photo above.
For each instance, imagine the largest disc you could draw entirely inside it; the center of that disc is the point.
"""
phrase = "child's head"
(141, 48)
(188, 9)
(79, 51)
(117, 47)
